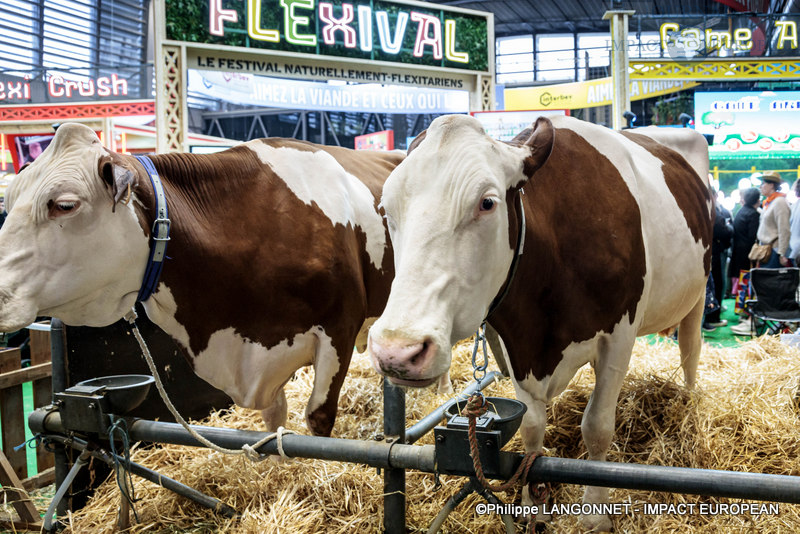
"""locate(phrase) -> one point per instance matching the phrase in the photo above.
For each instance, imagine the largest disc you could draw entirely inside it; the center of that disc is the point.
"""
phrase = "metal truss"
(715, 69)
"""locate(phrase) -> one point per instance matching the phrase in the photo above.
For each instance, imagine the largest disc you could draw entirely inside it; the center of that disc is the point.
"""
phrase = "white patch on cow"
(326, 366)
(161, 308)
(316, 177)
(667, 238)
(248, 372)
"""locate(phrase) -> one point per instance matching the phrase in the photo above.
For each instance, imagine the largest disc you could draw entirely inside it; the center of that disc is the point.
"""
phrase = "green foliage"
(668, 110)
(470, 37)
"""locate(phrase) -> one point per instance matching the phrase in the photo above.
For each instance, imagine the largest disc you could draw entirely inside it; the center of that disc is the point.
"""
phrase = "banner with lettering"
(750, 124)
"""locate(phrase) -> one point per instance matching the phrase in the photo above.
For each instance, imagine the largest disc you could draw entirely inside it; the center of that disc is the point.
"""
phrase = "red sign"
(383, 140)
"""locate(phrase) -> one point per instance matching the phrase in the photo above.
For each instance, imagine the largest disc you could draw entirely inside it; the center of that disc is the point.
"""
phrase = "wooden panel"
(10, 481)
(11, 416)
(42, 389)
(20, 376)
(44, 478)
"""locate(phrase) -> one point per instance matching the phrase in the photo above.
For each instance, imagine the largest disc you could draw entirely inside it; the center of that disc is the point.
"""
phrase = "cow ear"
(119, 179)
(417, 140)
(540, 142)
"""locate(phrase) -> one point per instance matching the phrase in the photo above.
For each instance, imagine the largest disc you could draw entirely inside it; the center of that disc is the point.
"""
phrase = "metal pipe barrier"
(708, 482)
(141, 471)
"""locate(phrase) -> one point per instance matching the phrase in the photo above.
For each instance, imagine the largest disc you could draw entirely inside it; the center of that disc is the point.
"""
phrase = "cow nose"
(407, 360)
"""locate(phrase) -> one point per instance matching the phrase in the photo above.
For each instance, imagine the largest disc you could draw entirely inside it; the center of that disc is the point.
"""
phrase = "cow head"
(452, 216)
(69, 248)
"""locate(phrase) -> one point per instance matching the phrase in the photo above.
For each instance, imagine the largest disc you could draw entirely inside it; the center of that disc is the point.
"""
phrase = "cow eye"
(487, 204)
(60, 208)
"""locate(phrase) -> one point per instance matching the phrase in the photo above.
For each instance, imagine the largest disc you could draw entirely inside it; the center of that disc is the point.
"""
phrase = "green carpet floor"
(722, 336)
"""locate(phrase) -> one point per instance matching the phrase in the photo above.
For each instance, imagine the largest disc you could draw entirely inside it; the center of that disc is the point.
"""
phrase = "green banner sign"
(372, 30)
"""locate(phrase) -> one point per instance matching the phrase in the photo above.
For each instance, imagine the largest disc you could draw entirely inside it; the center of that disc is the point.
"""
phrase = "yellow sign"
(586, 94)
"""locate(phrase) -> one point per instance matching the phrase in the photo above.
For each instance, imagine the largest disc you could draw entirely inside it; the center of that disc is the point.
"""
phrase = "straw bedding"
(743, 417)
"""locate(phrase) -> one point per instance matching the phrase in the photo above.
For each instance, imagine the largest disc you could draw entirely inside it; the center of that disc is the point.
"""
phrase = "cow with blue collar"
(260, 259)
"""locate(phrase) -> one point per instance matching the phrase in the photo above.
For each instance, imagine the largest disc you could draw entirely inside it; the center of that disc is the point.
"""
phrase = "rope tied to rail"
(250, 451)
(476, 406)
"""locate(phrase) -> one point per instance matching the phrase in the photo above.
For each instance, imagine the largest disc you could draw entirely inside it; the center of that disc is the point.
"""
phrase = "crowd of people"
(763, 216)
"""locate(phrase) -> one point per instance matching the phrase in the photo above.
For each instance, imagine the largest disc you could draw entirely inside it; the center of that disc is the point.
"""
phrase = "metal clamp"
(479, 370)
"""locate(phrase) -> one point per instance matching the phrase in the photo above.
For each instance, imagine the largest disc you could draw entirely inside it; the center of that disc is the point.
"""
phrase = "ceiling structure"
(519, 17)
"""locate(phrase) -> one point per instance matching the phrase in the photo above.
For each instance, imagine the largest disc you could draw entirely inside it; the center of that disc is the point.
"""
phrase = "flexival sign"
(412, 33)
(291, 94)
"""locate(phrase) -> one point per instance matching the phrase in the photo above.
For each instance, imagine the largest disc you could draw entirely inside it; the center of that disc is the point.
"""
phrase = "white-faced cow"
(277, 255)
(617, 241)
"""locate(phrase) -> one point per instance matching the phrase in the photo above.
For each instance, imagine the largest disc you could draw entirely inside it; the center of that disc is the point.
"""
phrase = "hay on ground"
(743, 416)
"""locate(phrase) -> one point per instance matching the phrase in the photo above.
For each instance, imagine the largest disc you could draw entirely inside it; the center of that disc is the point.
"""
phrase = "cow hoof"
(320, 424)
(596, 523)
(540, 518)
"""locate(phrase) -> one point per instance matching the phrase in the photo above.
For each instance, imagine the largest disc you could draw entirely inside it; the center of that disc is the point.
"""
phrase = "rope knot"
(476, 406)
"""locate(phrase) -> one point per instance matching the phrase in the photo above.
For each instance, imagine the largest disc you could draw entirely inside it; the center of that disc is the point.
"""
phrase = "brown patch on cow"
(513, 216)
(246, 253)
(583, 267)
(690, 191)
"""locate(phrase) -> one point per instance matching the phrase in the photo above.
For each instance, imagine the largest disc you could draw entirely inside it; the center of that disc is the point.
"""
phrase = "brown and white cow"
(277, 256)
(617, 244)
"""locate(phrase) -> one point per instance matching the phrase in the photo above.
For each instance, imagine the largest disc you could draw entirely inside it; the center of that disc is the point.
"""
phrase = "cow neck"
(512, 270)
(159, 233)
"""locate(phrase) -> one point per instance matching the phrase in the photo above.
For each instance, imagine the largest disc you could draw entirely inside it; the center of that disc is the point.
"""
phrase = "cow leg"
(444, 386)
(330, 369)
(275, 415)
(598, 422)
(532, 430)
(690, 341)
(498, 349)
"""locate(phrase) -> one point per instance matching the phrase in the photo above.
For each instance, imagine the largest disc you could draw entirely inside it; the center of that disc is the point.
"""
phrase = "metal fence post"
(58, 351)
(394, 480)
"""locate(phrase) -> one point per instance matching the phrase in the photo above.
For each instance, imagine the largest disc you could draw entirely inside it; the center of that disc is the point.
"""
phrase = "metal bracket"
(453, 455)
(84, 409)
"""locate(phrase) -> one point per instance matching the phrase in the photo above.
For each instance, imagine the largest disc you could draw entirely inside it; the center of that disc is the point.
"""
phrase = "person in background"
(774, 226)
(794, 224)
(723, 231)
(745, 226)
(2, 211)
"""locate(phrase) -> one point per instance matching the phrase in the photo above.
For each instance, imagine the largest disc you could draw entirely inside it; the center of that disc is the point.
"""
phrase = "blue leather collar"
(159, 234)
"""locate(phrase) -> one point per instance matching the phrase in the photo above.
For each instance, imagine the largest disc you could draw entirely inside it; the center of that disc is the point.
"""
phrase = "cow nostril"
(419, 357)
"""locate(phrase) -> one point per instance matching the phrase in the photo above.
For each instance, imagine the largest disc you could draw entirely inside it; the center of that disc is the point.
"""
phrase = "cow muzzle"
(405, 362)
(15, 313)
